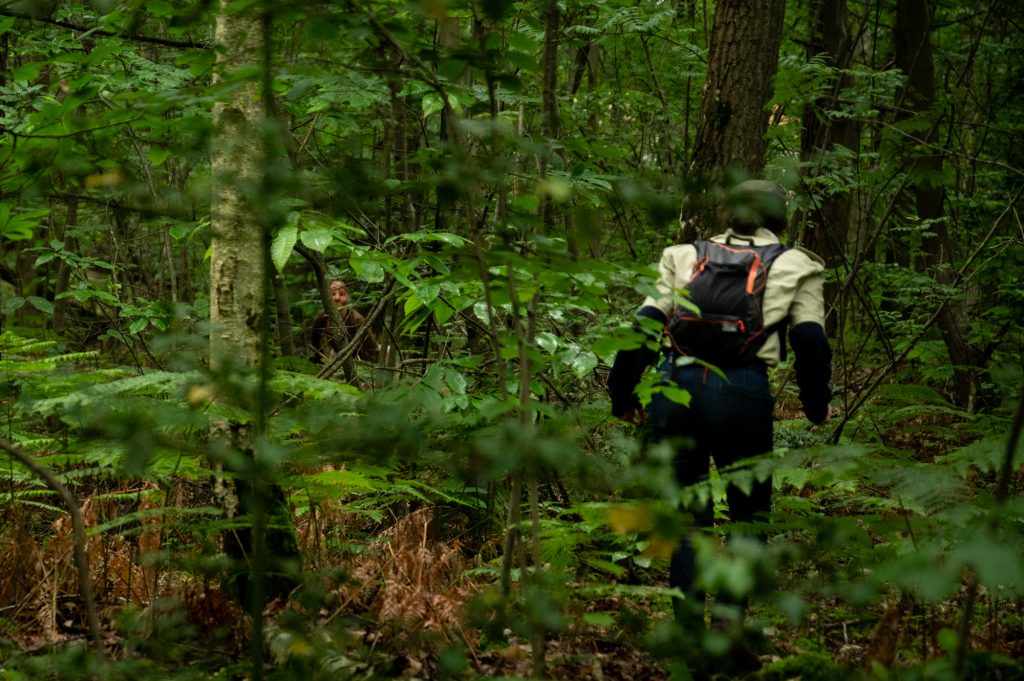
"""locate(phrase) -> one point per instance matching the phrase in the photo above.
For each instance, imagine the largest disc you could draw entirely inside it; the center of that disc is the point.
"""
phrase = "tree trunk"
(237, 274)
(284, 318)
(822, 133)
(914, 57)
(743, 60)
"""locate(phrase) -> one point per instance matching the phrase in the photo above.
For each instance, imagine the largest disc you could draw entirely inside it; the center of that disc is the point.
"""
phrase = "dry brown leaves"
(407, 579)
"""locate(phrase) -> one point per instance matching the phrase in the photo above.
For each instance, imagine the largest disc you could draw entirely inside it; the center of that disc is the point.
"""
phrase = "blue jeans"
(727, 419)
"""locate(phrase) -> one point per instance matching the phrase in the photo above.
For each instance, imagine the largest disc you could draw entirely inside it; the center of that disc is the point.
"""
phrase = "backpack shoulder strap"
(770, 253)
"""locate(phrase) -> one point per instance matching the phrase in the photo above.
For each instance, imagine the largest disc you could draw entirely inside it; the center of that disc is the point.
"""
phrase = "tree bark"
(237, 274)
(914, 57)
(284, 317)
(263, 549)
(742, 61)
(822, 134)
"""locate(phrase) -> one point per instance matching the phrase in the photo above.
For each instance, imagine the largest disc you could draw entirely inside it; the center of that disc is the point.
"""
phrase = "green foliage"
(411, 151)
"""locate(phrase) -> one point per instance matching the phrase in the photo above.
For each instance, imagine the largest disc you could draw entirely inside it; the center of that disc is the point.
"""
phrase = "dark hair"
(756, 203)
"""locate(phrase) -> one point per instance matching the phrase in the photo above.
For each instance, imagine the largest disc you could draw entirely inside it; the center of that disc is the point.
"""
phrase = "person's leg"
(742, 426)
(681, 426)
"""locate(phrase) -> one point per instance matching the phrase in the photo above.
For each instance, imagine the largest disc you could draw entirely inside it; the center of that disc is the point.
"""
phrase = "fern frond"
(158, 383)
(985, 454)
(164, 513)
(304, 385)
(18, 366)
(21, 497)
(10, 342)
(924, 488)
(911, 394)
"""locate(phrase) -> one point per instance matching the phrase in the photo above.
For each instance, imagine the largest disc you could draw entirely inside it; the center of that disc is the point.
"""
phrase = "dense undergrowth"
(893, 553)
(492, 178)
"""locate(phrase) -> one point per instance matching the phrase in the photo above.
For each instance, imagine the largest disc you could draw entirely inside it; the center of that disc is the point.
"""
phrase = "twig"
(344, 354)
(77, 535)
(166, 42)
(865, 395)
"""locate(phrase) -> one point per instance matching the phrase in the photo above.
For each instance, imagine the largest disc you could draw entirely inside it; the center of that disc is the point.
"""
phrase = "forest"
(220, 463)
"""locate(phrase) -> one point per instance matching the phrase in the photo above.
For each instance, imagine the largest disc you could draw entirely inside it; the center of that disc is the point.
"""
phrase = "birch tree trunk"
(265, 550)
(236, 258)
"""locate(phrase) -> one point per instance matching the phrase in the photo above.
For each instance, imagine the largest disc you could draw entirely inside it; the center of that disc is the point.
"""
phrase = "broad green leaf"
(41, 304)
(13, 303)
(157, 155)
(673, 393)
(19, 227)
(598, 619)
(317, 239)
(427, 292)
(28, 72)
(432, 103)
(368, 270)
(282, 245)
(547, 341)
(583, 363)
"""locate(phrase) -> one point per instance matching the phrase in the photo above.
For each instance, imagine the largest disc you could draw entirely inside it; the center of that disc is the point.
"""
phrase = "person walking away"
(729, 417)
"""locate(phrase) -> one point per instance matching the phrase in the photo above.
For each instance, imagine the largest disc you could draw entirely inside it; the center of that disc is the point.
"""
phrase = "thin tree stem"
(77, 536)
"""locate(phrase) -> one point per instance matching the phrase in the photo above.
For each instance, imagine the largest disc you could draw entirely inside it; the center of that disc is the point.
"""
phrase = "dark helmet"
(758, 202)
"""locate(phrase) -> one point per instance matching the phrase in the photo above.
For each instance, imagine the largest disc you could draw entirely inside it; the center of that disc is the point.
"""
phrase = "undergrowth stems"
(81, 557)
(1001, 494)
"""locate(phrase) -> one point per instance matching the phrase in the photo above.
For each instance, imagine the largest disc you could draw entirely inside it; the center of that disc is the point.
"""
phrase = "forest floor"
(402, 597)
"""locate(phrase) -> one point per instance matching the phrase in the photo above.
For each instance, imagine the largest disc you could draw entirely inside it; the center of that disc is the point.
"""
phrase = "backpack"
(727, 287)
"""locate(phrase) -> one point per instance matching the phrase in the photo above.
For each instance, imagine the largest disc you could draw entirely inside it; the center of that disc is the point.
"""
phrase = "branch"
(77, 535)
(880, 374)
(1006, 471)
(166, 42)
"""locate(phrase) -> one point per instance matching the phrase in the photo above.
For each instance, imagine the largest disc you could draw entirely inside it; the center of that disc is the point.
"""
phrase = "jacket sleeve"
(630, 365)
(813, 364)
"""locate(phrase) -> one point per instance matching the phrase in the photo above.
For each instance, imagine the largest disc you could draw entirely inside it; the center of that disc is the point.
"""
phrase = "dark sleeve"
(629, 366)
(318, 334)
(813, 364)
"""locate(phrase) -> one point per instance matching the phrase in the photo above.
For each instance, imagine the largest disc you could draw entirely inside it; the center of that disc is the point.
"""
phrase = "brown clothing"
(351, 322)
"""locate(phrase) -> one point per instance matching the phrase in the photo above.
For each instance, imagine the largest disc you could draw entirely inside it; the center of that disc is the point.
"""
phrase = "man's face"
(339, 293)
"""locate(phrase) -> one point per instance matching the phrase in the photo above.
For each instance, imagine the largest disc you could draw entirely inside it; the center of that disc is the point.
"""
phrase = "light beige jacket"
(793, 289)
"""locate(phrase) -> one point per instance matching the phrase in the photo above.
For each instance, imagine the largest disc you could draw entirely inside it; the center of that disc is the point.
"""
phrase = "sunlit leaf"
(282, 245)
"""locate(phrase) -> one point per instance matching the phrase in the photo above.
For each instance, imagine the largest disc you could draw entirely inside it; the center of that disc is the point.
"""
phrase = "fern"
(304, 385)
(985, 454)
(157, 383)
(45, 363)
(163, 513)
(13, 343)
